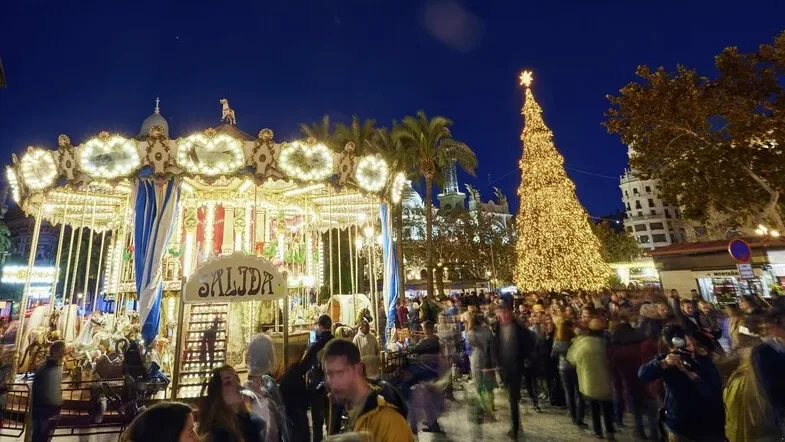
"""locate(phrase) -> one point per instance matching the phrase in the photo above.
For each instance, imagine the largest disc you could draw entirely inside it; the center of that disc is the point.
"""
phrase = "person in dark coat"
(314, 376)
(694, 408)
(515, 348)
(624, 354)
(768, 361)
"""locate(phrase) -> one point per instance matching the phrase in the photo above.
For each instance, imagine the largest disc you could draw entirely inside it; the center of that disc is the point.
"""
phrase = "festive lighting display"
(396, 190)
(301, 190)
(306, 162)
(215, 155)
(372, 173)
(109, 158)
(556, 248)
(18, 275)
(38, 168)
(13, 182)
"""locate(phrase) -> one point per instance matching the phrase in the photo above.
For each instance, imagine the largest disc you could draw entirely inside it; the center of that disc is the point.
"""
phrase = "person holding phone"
(693, 409)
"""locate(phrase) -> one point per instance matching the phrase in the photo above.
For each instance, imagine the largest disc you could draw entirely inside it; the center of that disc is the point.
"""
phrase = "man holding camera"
(693, 409)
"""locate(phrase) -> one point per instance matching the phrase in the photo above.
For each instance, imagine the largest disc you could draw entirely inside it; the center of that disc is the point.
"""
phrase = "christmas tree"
(556, 248)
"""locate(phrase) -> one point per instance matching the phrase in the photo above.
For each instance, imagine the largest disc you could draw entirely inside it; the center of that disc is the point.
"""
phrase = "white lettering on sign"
(235, 278)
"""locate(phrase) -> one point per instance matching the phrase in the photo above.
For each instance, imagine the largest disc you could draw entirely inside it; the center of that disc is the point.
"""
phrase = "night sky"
(99, 66)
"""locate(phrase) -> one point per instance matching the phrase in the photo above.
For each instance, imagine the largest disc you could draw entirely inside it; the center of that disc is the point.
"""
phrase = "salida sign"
(235, 278)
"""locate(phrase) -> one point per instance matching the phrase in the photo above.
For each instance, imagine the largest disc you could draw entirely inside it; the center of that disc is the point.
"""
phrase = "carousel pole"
(26, 289)
(352, 269)
(98, 269)
(76, 263)
(340, 275)
(59, 252)
(330, 245)
(89, 255)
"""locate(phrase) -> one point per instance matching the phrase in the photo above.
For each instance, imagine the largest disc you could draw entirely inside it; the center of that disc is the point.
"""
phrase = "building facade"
(652, 221)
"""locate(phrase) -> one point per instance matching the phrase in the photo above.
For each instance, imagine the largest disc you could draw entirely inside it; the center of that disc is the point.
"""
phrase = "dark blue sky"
(98, 66)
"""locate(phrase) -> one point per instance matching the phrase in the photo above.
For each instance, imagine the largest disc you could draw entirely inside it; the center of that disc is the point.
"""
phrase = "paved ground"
(550, 425)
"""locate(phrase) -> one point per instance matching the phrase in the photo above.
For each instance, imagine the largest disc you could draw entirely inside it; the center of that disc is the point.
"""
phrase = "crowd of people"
(671, 368)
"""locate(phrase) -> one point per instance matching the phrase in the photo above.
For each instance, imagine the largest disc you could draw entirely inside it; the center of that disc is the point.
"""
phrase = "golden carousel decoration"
(192, 234)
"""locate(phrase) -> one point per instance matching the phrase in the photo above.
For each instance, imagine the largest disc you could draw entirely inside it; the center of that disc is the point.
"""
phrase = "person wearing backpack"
(376, 411)
(314, 376)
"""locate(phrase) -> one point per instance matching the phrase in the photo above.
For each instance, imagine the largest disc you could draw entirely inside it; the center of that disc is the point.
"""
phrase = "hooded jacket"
(383, 416)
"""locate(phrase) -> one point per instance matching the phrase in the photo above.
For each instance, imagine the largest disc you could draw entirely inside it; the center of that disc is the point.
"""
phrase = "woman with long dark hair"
(223, 414)
(166, 422)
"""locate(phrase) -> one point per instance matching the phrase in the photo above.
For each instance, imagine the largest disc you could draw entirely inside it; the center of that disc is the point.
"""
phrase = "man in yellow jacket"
(368, 411)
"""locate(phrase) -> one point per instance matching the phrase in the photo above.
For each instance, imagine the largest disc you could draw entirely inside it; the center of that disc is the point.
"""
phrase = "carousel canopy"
(91, 183)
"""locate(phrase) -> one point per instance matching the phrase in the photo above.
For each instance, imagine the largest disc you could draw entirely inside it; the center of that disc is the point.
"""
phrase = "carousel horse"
(39, 337)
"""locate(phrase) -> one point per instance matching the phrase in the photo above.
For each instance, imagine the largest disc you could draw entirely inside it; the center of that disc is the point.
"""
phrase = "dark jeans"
(42, 423)
(553, 381)
(513, 381)
(319, 408)
(529, 377)
(298, 424)
(417, 373)
(604, 408)
(575, 401)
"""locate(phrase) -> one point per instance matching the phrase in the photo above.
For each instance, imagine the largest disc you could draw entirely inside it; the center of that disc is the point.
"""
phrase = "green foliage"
(715, 144)
(431, 147)
(616, 246)
(5, 238)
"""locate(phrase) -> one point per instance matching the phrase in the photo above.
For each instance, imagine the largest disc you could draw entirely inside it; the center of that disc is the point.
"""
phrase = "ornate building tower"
(451, 197)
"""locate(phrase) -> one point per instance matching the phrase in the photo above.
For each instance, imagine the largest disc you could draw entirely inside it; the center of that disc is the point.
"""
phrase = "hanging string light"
(109, 157)
(38, 168)
(372, 172)
(306, 162)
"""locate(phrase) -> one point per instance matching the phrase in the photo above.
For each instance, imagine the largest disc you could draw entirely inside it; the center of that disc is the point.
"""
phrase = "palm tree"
(432, 148)
(361, 134)
(401, 160)
(320, 131)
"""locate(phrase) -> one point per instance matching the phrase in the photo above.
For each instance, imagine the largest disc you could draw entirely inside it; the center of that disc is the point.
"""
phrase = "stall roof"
(695, 248)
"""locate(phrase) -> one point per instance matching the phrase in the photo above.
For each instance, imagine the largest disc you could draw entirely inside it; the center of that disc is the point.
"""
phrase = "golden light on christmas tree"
(556, 248)
(526, 78)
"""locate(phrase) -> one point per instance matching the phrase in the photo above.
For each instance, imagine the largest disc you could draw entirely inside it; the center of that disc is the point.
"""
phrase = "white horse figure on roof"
(227, 113)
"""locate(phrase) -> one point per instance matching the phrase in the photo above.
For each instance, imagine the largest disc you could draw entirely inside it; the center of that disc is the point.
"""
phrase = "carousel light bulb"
(358, 242)
(380, 240)
(372, 173)
(38, 168)
(396, 191)
(368, 232)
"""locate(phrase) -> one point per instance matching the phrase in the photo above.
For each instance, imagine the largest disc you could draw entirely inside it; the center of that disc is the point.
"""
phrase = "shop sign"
(745, 270)
(235, 278)
(717, 274)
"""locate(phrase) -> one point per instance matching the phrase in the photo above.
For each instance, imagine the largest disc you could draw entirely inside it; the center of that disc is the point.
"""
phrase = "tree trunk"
(774, 196)
(399, 251)
(429, 234)
(439, 278)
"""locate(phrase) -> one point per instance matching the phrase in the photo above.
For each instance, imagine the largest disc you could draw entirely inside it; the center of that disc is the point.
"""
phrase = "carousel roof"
(90, 184)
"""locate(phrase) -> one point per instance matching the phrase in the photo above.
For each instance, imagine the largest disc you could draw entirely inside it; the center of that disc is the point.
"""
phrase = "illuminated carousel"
(202, 242)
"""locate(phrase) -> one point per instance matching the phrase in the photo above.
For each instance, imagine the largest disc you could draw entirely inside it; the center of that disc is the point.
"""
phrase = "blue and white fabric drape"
(155, 205)
(390, 266)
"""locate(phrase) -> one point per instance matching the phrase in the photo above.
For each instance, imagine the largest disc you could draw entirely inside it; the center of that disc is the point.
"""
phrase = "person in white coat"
(369, 349)
(266, 403)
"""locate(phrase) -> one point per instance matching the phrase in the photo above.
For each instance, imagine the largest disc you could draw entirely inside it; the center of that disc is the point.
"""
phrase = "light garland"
(372, 172)
(13, 182)
(396, 190)
(210, 163)
(306, 162)
(38, 168)
(114, 157)
(301, 190)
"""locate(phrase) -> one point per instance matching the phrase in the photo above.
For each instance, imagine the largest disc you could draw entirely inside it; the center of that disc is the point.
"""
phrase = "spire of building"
(157, 107)
(451, 177)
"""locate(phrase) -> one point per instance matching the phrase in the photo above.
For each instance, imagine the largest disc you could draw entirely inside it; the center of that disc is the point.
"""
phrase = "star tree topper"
(526, 78)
